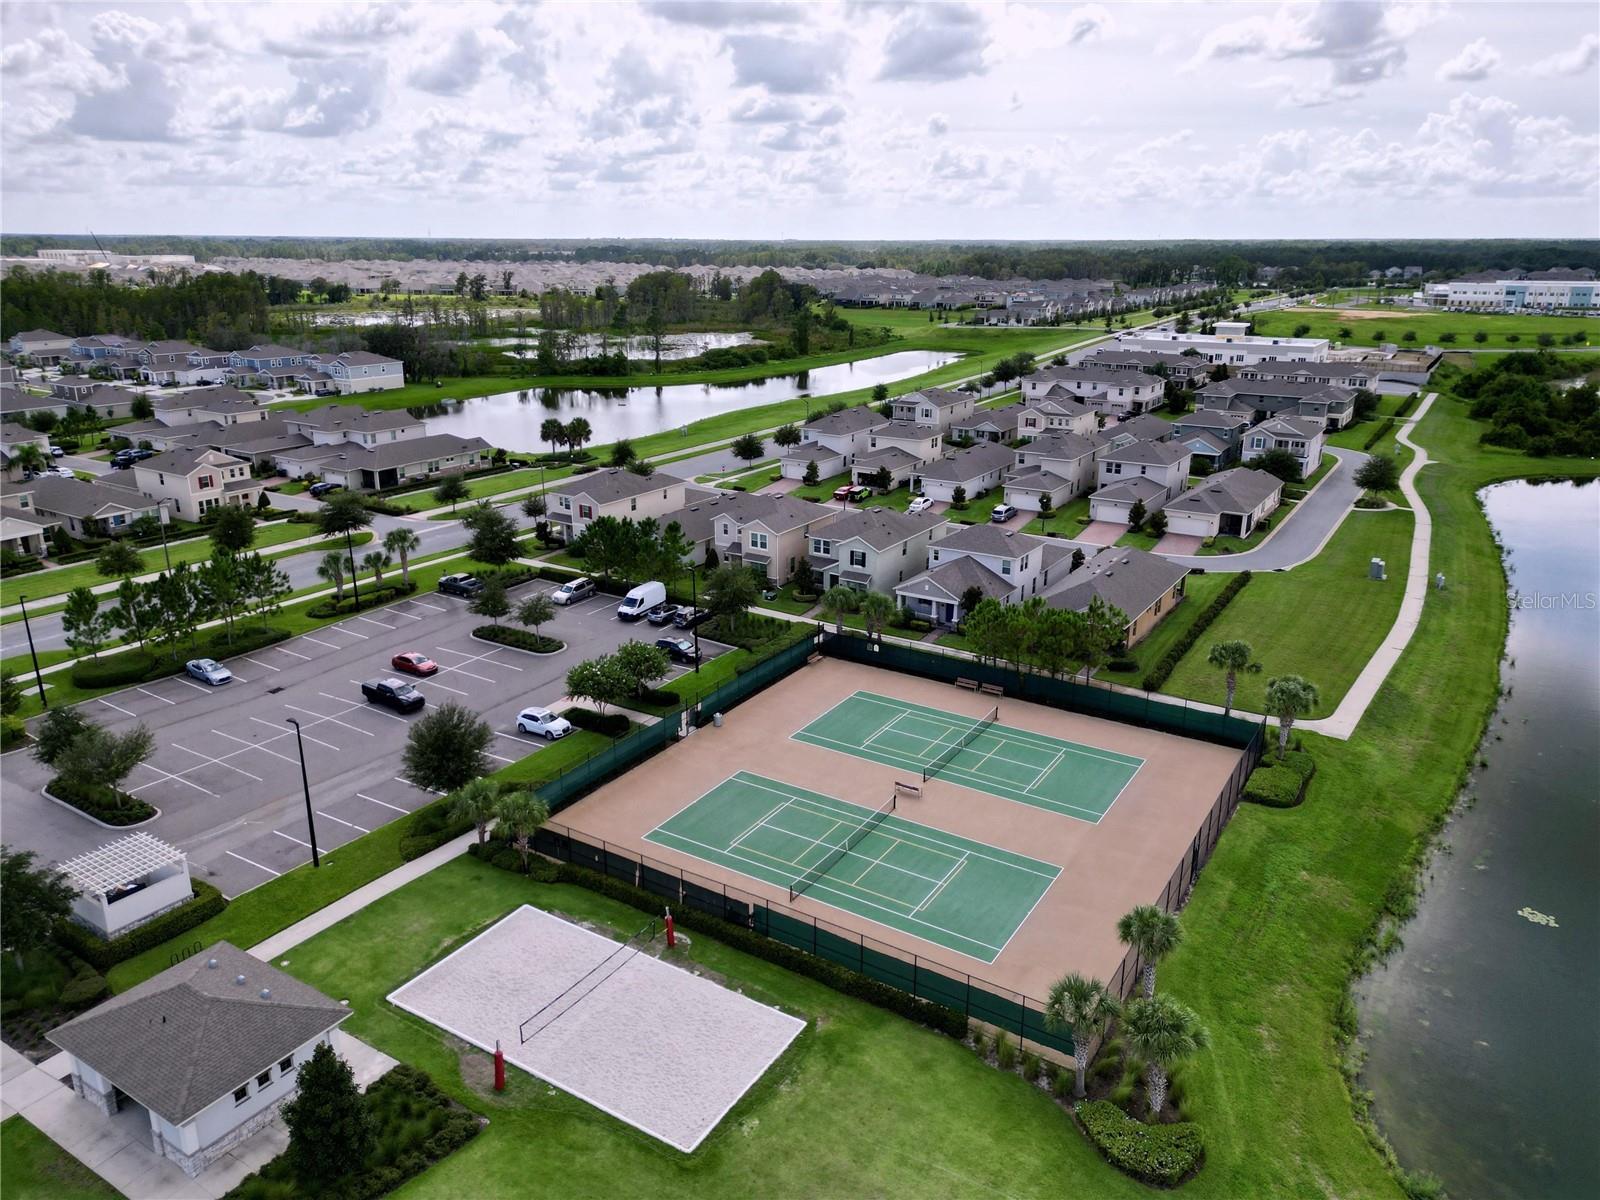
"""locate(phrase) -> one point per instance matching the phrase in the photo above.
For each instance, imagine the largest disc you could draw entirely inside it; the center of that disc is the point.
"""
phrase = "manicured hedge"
(1169, 661)
(140, 666)
(13, 733)
(1405, 405)
(1274, 787)
(429, 828)
(1160, 1154)
(519, 639)
(371, 597)
(100, 802)
(1377, 435)
(104, 954)
(841, 979)
(609, 724)
(86, 987)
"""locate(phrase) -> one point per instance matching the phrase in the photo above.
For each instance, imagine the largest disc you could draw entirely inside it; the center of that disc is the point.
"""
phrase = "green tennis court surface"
(1014, 764)
(956, 893)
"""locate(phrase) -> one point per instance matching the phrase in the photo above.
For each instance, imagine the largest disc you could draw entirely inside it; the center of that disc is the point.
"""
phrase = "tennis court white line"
(838, 820)
(1054, 763)
(761, 822)
(791, 862)
(927, 832)
(954, 871)
(883, 728)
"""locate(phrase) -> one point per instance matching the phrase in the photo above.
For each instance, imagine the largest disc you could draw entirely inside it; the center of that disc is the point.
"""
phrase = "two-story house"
(18, 405)
(218, 405)
(1002, 564)
(1143, 587)
(1191, 370)
(200, 366)
(972, 472)
(339, 423)
(1058, 465)
(768, 534)
(41, 347)
(1147, 473)
(1056, 411)
(349, 372)
(1230, 503)
(933, 406)
(1113, 393)
(1212, 436)
(104, 400)
(194, 481)
(12, 438)
(613, 492)
(1328, 404)
(831, 441)
(267, 365)
(895, 447)
(160, 362)
(873, 549)
(1301, 438)
(1147, 427)
(988, 425)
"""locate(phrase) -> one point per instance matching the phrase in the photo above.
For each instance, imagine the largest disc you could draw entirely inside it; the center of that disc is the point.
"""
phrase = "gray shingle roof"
(351, 417)
(614, 483)
(1146, 427)
(886, 456)
(1122, 577)
(192, 1034)
(970, 463)
(1001, 420)
(990, 539)
(80, 498)
(1062, 445)
(1289, 427)
(880, 528)
(1158, 454)
(347, 455)
(938, 397)
(1135, 487)
(848, 420)
(1212, 418)
(212, 399)
(1239, 490)
(950, 580)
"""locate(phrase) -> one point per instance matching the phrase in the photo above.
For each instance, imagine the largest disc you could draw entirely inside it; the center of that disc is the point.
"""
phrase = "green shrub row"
(1405, 405)
(1377, 435)
(429, 828)
(13, 733)
(609, 724)
(1169, 661)
(371, 597)
(841, 979)
(140, 666)
(1160, 1154)
(1274, 787)
(87, 986)
(519, 639)
(748, 631)
(104, 954)
(100, 802)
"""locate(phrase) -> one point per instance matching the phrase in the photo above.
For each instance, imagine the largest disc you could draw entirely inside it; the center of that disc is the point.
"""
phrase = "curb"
(519, 649)
(45, 792)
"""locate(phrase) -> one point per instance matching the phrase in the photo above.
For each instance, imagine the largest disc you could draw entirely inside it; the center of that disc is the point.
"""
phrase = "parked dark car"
(678, 649)
(464, 586)
(662, 614)
(393, 693)
(688, 618)
(319, 490)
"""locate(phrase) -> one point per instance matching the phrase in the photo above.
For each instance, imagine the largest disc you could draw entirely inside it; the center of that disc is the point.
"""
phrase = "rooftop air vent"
(266, 993)
(239, 979)
(212, 963)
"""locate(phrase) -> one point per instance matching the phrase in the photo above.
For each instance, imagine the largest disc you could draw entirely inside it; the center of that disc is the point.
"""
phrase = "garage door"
(1198, 524)
(1109, 510)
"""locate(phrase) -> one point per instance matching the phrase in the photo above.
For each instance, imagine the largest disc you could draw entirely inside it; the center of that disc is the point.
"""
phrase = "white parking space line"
(254, 745)
(195, 686)
(351, 632)
(295, 840)
(446, 687)
(293, 653)
(259, 663)
(407, 782)
(306, 637)
(435, 607)
(395, 612)
(500, 757)
(377, 712)
(169, 775)
(331, 721)
(342, 821)
(253, 863)
(510, 737)
(379, 624)
(218, 762)
(123, 711)
(384, 803)
(153, 696)
(285, 733)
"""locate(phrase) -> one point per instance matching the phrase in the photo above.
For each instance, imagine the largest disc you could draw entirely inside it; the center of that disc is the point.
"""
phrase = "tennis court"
(1014, 764)
(960, 894)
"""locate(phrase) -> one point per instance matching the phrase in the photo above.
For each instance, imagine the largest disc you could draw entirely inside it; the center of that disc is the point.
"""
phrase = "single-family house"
(1189, 369)
(768, 534)
(1302, 438)
(1230, 503)
(162, 361)
(9, 375)
(337, 423)
(873, 549)
(100, 346)
(1144, 587)
(1328, 404)
(12, 438)
(1113, 393)
(71, 387)
(200, 366)
(267, 365)
(933, 406)
(1147, 427)
(613, 492)
(1060, 465)
(208, 1051)
(972, 471)
(104, 400)
(221, 405)
(23, 531)
(1014, 560)
(831, 441)
(18, 405)
(1056, 410)
(1212, 436)
(1147, 473)
(196, 480)
(384, 465)
(988, 425)
(1352, 375)
(349, 372)
(42, 347)
(84, 509)
(895, 447)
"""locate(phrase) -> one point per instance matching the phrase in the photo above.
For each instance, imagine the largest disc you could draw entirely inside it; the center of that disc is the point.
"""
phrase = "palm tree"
(876, 611)
(519, 815)
(28, 457)
(837, 601)
(552, 431)
(476, 802)
(1232, 657)
(375, 561)
(578, 432)
(1288, 697)
(402, 543)
(331, 568)
(345, 512)
(1084, 1007)
(1153, 933)
(1162, 1032)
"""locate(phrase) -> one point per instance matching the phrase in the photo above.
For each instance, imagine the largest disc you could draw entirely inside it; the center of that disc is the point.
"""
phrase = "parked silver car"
(208, 670)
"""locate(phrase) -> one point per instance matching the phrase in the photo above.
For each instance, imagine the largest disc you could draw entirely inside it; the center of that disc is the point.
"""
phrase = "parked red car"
(413, 663)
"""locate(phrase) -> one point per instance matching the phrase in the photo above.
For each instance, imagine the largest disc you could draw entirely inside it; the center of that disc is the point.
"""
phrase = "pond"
(674, 345)
(1483, 1044)
(511, 420)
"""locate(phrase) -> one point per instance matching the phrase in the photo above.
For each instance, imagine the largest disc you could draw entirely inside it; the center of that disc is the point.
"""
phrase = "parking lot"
(226, 773)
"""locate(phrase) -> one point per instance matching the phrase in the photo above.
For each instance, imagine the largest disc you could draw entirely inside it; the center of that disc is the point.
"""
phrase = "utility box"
(1377, 570)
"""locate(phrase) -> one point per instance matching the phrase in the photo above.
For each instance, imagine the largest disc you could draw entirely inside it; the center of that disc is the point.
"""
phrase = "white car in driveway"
(544, 723)
(919, 504)
(208, 670)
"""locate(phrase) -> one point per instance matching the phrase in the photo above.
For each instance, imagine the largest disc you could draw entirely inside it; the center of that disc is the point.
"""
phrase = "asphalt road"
(225, 772)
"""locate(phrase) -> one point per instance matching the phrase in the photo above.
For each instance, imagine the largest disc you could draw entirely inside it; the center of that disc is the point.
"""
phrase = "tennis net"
(593, 977)
(833, 856)
(965, 740)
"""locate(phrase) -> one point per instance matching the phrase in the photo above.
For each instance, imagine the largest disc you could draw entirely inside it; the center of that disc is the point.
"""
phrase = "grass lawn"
(822, 490)
(32, 1167)
(544, 765)
(1198, 591)
(1228, 544)
(785, 602)
(1067, 521)
(485, 485)
(1322, 620)
(862, 1095)
(1378, 325)
(1139, 539)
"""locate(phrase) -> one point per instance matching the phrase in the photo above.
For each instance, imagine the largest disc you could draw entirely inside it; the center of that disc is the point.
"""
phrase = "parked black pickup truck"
(394, 693)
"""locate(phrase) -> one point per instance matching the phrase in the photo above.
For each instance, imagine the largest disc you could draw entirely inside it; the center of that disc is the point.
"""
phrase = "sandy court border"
(1125, 860)
(653, 1045)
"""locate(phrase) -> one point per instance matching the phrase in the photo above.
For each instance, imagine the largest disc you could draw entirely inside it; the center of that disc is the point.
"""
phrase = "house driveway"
(1179, 543)
(780, 487)
(1101, 533)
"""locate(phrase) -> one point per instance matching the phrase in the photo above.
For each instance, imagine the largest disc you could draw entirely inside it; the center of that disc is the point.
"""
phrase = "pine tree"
(330, 1130)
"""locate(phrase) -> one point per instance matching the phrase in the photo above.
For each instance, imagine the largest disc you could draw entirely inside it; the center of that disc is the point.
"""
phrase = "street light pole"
(165, 554)
(305, 782)
(32, 653)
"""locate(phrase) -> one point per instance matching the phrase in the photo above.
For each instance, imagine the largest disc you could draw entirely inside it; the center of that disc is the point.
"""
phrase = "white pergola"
(120, 863)
(127, 883)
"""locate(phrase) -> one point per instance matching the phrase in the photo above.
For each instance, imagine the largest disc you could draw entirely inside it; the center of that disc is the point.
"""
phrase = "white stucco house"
(1056, 410)
(1147, 473)
(1301, 437)
(1229, 503)
(975, 470)
(1060, 465)
(208, 1050)
(577, 503)
(898, 447)
(831, 441)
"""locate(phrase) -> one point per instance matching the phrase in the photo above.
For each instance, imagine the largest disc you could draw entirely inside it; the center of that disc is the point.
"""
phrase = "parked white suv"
(543, 722)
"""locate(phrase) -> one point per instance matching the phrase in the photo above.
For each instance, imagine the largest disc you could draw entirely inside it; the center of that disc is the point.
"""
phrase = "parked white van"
(641, 600)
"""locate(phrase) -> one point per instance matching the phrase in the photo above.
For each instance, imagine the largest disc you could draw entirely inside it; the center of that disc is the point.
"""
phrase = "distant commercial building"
(1539, 291)
(1231, 343)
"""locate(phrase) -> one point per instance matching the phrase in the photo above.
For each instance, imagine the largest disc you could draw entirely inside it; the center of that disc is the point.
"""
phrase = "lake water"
(674, 345)
(511, 419)
(1483, 1034)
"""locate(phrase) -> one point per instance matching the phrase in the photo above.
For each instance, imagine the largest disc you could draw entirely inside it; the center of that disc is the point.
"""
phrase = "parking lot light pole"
(305, 782)
(32, 653)
(162, 505)
(694, 606)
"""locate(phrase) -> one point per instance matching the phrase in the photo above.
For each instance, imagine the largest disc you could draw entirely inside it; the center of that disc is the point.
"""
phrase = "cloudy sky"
(694, 118)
